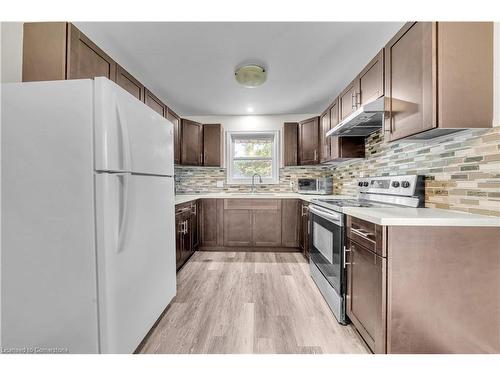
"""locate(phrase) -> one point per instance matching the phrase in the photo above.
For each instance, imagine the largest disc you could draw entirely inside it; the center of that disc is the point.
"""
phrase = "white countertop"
(403, 216)
(183, 198)
(392, 216)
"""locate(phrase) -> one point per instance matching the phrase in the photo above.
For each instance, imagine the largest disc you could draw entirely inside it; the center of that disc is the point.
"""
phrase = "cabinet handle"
(185, 226)
(346, 251)
(353, 100)
(358, 99)
(362, 234)
(315, 155)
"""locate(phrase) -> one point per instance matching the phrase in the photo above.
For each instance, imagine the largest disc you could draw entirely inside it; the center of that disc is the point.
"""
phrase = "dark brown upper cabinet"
(212, 145)
(129, 83)
(347, 100)
(324, 142)
(309, 141)
(58, 50)
(290, 143)
(154, 103)
(438, 79)
(85, 59)
(344, 148)
(191, 143)
(370, 82)
(176, 122)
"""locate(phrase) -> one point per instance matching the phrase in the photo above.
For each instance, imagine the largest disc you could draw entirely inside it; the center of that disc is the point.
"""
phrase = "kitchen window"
(252, 152)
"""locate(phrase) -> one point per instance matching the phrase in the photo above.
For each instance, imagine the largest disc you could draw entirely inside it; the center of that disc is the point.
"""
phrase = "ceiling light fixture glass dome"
(250, 75)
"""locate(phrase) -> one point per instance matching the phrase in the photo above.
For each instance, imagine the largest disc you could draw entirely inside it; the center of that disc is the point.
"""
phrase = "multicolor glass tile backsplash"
(462, 171)
(204, 179)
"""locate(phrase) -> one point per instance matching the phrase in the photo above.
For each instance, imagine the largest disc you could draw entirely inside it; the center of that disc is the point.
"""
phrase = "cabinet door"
(290, 222)
(409, 81)
(266, 227)
(371, 80)
(176, 122)
(209, 222)
(366, 272)
(309, 141)
(129, 83)
(179, 235)
(303, 229)
(191, 142)
(324, 143)
(334, 141)
(347, 101)
(154, 103)
(237, 227)
(195, 225)
(85, 59)
(212, 145)
(44, 51)
(290, 142)
(187, 239)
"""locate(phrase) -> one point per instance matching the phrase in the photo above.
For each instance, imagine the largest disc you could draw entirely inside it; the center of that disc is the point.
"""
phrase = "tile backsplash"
(462, 171)
(204, 179)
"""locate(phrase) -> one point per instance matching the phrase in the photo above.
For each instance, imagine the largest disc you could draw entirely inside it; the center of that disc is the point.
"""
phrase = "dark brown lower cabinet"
(290, 221)
(187, 224)
(209, 223)
(304, 228)
(419, 290)
(237, 227)
(195, 224)
(366, 299)
(262, 224)
(266, 226)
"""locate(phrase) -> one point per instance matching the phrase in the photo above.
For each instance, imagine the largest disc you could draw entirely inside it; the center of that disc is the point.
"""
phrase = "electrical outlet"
(220, 183)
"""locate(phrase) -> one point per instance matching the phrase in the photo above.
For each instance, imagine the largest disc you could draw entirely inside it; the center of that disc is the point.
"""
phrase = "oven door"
(326, 245)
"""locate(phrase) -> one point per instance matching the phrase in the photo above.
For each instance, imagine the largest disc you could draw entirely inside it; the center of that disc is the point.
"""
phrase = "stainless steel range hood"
(362, 122)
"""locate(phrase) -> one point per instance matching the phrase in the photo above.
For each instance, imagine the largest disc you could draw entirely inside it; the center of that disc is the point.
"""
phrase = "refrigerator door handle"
(125, 140)
(122, 229)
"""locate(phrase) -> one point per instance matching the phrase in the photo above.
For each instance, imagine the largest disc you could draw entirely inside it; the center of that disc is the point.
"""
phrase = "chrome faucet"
(253, 181)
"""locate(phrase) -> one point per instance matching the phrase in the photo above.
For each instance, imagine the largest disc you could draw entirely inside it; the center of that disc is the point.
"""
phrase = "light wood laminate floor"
(252, 302)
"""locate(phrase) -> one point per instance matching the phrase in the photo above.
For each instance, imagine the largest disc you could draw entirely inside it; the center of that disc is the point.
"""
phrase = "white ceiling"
(191, 65)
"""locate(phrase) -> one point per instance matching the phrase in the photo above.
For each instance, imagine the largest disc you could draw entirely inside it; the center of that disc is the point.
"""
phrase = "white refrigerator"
(88, 243)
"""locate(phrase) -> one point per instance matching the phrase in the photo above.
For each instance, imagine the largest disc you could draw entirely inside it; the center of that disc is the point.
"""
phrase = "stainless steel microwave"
(323, 185)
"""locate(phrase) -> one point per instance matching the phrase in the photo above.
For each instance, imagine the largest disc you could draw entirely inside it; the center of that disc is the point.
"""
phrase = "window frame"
(274, 179)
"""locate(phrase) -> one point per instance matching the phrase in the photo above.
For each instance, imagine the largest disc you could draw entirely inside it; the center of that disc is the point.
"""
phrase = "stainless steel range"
(327, 234)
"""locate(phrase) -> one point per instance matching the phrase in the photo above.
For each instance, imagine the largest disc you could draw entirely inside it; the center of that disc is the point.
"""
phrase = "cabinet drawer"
(184, 207)
(252, 204)
(368, 234)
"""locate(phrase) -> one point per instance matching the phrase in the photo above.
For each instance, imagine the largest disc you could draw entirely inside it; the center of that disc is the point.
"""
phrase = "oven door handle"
(337, 219)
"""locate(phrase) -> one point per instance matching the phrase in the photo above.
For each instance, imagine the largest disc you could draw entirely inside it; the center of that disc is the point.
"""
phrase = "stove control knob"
(395, 184)
(405, 184)
(365, 184)
(360, 183)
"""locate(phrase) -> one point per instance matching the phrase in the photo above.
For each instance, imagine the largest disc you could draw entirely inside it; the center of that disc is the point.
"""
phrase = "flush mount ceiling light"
(250, 75)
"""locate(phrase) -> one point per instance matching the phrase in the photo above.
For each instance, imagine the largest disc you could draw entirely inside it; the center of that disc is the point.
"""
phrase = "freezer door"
(130, 136)
(136, 256)
(48, 263)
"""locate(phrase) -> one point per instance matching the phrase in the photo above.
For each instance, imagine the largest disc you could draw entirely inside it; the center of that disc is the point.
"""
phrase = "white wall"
(11, 51)
(252, 123)
(496, 77)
